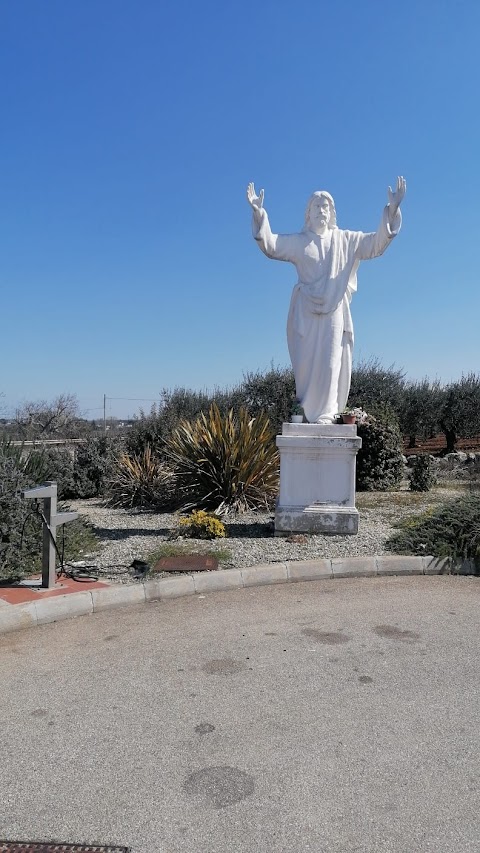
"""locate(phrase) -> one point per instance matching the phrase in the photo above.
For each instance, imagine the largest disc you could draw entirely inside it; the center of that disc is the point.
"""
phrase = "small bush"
(203, 525)
(19, 528)
(20, 524)
(379, 461)
(226, 462)
(422, 475)
(83, 470)
(451, 531)
(142, 481)
(93, 466)
(59, 464)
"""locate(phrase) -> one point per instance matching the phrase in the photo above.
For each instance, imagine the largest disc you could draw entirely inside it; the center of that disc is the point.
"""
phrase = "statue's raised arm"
(256, 201)
(395, 198)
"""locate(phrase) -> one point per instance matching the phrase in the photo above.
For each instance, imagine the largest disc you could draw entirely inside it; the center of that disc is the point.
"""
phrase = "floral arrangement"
(361, 417)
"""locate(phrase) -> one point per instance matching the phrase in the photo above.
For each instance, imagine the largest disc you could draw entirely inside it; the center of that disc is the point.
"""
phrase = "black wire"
(75, 574)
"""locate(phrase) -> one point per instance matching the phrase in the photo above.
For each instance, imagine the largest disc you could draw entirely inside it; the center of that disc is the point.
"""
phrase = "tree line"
(419, 408)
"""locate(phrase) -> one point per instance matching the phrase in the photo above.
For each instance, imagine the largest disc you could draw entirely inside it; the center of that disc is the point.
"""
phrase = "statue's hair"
(333, 212)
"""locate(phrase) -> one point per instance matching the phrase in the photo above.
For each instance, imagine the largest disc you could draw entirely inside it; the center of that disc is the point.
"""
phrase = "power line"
(136, 399)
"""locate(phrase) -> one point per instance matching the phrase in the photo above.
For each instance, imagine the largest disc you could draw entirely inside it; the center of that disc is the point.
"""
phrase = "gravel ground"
(128, 535)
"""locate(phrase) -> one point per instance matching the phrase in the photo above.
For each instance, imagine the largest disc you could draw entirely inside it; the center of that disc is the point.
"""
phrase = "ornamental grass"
(142, 481)
(226, 463)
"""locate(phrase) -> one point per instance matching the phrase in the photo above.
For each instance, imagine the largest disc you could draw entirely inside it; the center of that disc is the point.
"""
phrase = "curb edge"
(16, 617)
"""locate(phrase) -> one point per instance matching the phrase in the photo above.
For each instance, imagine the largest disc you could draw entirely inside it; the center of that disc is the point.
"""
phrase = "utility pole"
(105, 414)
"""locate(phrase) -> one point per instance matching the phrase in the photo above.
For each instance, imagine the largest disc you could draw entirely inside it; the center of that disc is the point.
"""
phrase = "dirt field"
(436, 446)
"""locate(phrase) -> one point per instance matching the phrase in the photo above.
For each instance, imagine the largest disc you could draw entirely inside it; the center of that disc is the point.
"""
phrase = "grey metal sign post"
(48, 493)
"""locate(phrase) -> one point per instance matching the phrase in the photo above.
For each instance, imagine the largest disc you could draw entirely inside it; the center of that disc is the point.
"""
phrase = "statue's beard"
(320, 225)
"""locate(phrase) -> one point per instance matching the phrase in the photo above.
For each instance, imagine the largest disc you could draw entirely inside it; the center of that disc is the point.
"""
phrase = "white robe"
(319, 327)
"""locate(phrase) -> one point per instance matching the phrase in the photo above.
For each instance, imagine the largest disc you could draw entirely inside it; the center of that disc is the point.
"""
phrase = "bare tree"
(43, 419)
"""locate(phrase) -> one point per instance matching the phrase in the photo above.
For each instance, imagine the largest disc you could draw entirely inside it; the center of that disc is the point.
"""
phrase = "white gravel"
(128, 535)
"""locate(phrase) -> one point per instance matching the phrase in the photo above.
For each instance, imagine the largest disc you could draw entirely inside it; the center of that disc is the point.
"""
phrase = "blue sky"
(129, 130)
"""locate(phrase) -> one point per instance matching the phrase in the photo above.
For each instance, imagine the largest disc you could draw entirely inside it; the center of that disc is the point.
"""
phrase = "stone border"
(13, 617)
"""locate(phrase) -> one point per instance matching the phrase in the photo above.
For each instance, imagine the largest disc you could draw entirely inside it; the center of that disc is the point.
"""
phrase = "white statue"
(319, 327)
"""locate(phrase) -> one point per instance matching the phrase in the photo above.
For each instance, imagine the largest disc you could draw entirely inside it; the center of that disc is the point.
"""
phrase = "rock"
(458, 458)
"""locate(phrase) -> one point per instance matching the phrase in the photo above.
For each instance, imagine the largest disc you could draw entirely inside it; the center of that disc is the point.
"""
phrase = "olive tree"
(459, 415)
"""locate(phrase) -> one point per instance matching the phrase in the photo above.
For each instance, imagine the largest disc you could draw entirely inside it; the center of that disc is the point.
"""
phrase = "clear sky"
(129, 130)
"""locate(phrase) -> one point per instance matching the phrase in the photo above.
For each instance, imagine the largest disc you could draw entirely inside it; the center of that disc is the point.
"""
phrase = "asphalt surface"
(334, 716)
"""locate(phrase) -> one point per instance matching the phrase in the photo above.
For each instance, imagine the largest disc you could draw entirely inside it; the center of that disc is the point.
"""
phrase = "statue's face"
(320, 213)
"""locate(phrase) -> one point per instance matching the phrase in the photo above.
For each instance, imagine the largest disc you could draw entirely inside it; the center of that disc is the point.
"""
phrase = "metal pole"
(104, 413)
(48, 493)
(49, 556)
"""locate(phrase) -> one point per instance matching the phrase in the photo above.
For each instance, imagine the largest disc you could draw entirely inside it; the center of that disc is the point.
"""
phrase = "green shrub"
(93, 466)
(20, 524)
(19, 528)
(271, 393)
(148, 431)
(226, 462)
(422, 475)
(451, 531)
(379, 461)
(59, 463)
(142, 481)
(374, 386)
(203, 525)
(80, 471)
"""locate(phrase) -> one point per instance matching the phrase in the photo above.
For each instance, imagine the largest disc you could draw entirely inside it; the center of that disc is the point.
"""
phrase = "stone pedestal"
(317, 479)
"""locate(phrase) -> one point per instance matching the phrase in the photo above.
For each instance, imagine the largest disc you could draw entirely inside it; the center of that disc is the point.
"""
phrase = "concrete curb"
(17, 616)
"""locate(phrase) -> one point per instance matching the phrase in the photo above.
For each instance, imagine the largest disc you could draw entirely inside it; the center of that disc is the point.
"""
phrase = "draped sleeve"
(373, 245)
(280, 247)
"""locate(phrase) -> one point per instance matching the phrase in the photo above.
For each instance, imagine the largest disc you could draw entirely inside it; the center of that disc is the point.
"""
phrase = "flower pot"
(348, 419)
(296, 419)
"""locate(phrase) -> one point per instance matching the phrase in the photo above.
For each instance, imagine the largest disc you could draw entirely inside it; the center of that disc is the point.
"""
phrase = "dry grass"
(395, 505)
(170, 549)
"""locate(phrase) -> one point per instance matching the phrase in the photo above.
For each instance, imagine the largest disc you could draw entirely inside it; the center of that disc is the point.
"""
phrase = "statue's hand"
(255, 200)
(395, 197)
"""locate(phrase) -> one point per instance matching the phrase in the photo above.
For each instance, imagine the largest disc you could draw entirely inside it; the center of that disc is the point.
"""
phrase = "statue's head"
(320, 212)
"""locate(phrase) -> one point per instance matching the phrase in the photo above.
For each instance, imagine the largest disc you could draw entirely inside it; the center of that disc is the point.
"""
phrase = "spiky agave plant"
(226, 462)
(141, 480)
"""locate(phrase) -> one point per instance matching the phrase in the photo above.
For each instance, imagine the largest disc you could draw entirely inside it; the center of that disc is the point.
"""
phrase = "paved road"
(335, 717)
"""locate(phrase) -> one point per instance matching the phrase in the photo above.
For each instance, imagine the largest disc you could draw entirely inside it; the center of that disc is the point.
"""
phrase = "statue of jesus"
(319, 327)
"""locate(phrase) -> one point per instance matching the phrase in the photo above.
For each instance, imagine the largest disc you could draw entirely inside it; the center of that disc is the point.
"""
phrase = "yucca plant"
(32, 463)
(226, 462)
(141, 481)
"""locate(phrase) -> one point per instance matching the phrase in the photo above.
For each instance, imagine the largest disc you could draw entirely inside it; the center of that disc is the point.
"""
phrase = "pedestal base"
(317, 479)
(331, 520)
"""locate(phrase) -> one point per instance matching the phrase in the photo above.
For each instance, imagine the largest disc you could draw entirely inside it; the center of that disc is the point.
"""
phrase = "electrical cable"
(72, 572)
(79, 574)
